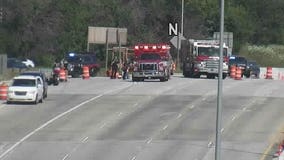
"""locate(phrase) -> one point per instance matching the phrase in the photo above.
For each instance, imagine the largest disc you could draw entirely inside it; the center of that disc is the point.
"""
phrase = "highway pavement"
(114, 119)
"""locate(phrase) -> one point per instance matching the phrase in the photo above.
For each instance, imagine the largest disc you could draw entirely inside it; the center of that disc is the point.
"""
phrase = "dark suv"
(254, 68)
(75, 62)
(241, 62)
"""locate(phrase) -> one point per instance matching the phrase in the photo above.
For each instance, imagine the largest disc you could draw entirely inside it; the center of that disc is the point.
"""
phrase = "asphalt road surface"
(104, 119)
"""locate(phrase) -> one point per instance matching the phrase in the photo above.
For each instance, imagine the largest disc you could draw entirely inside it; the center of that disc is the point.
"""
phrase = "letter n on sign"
(173, 29)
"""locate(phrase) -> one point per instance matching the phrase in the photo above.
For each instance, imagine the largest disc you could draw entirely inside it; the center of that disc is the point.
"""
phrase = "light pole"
(180, 35)
(220, 86)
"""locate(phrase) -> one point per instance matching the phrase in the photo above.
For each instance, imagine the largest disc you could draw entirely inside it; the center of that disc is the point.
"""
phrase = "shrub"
(270, 55)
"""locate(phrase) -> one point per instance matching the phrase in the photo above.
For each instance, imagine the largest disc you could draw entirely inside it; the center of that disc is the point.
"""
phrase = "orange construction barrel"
(238, 74)
(62, 75)
(233, 71)
(3, 91)
(268, 73)
(86, 74)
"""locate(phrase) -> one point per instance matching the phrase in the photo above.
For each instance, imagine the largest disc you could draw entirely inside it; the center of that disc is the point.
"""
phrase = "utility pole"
(220, 86)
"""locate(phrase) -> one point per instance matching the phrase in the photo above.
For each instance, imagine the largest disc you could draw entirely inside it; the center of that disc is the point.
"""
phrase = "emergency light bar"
(154, 47)
(71, 54)
(232, 57)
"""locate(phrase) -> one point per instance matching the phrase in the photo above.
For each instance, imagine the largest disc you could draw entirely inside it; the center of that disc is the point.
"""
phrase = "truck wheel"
(196, 76)
(247, 75)
(163, 79)
(93, 72)
(36, 100)
(210, 76)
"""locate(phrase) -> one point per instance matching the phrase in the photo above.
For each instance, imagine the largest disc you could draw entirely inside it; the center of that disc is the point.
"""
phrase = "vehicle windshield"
(150, 56)
(210, 51)
(252, 63)
(237, 60)
(74, 59)
(24, 82)
(33, 74)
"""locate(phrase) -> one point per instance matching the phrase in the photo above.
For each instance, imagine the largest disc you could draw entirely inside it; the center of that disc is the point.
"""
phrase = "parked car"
(43, 77)
(254, 68)
(26, 89)
(241, 62)
(29, 63)
(15, 63)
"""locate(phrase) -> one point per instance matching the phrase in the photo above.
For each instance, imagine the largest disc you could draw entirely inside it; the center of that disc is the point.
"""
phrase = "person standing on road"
(125, 69)
(114, 68)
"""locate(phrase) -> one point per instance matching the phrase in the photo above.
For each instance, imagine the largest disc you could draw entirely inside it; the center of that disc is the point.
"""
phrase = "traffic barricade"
(3, 91)
(238, 75)
(233, 71)
(86, 74)
(268, 73)
(62, 75)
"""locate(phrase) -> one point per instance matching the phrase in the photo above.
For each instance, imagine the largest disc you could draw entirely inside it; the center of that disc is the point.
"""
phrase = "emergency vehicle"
(75, 62)
(203, 59)
(152, 61)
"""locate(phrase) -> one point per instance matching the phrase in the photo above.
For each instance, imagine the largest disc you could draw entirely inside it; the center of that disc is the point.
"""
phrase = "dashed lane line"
(54, 119)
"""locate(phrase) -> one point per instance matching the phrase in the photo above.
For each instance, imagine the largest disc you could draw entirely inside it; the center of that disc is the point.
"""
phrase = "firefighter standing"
(114, 68)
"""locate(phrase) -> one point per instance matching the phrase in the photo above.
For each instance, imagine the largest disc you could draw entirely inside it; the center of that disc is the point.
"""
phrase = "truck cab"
(152, 61)
(203, 59)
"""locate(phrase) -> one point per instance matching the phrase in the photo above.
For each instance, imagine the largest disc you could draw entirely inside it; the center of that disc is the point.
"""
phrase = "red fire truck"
(152, 61)
(203, 59)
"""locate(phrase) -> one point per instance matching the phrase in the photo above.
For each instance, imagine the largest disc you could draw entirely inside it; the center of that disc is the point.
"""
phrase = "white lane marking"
(222, 130)
(233, 118)
(46, 124)
(179, 116)
(166, 126)
(192, 106)
(54, 119)
(136, 104)
(133, 158)
(149, 141)
(65, 157)
(85, 139)
(209, 144)
(245, 108)
(103, 125)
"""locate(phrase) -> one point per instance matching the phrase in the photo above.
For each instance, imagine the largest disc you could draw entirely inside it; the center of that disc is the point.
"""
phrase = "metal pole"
(179, 36)
(106, 50)
(220, 86)
(88, 47)
(182, 10)
(119, 48)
